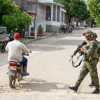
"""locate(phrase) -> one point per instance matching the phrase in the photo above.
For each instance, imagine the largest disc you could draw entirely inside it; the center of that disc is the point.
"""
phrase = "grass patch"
(52, 34)
(30, 41)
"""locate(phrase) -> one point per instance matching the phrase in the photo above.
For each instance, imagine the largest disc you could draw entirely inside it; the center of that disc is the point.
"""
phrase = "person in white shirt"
(15, 49)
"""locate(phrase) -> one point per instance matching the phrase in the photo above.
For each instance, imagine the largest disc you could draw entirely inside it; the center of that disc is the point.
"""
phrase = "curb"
(30, 41)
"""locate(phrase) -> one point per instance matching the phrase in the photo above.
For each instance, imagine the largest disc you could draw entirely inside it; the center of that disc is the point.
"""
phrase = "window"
(31, 7)
(48, 13)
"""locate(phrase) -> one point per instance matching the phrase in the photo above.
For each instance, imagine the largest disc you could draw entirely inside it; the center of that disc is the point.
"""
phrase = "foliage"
(76, 8)
(12, 17)
(89, 20)
(5, 9)
(59, 1)
(94, 8)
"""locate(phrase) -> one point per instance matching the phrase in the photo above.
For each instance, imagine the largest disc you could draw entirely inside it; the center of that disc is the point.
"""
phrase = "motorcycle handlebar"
(26, 54)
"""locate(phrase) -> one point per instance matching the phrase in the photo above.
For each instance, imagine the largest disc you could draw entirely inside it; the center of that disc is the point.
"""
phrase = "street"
(51, 73)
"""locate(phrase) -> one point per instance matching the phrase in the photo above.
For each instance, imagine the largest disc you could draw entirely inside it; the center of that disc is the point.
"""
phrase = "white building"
(50, 14)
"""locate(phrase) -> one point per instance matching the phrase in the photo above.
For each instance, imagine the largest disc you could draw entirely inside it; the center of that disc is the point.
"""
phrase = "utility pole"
(24, 2)
(35, 22)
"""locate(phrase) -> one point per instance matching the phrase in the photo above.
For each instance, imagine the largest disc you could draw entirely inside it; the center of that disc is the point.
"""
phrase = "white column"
(56, 13)
(51, 12)
(35, 22)
(29, 30)
(64, 17)
(60, 15)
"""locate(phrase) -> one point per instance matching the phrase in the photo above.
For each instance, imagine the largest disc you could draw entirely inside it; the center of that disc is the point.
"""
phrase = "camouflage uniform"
(90, 62)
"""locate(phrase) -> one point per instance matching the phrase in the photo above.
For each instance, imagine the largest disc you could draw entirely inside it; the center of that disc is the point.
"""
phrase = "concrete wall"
(41, 15)
(50, 28)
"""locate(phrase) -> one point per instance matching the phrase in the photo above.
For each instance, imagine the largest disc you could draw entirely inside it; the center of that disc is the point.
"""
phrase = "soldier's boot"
(95, 91)
(75, 88)
(25, 71)
(91, 84)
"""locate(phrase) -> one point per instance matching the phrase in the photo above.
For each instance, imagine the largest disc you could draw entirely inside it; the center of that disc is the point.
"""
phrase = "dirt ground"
(51, 73)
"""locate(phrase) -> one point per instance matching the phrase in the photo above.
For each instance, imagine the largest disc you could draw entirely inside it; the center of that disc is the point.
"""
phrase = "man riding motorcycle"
(15, 49)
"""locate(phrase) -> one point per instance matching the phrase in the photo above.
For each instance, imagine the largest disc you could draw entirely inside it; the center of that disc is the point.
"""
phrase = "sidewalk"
(47, 34)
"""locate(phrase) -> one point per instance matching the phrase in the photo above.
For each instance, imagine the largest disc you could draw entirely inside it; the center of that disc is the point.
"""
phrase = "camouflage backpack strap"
(85, 55)
(98, 51)
(94, 55)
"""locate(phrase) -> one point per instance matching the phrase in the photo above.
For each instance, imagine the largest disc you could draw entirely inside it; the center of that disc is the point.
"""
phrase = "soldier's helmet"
(87, 33)
(95, 35)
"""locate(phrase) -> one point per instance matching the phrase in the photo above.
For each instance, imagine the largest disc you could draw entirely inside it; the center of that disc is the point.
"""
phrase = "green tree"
(12, 17)
(60, 1)
(5, 9)
(76, 8)
(94, 8)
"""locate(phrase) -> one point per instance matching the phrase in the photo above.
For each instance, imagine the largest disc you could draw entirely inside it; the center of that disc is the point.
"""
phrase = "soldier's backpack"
(98, 49)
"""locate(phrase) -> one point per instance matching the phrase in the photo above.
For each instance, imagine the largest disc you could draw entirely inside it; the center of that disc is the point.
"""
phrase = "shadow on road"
(42, 86)
(55, 46)
(68, 42)
(45, 48)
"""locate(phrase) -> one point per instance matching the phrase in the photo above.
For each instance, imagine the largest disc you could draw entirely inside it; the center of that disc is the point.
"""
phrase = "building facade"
(50, 14)
(54, 15)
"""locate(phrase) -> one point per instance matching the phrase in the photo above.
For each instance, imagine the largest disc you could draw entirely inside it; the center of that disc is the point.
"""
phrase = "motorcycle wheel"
(68, 31)
(65, 31)
(3, 47)
(12, 81)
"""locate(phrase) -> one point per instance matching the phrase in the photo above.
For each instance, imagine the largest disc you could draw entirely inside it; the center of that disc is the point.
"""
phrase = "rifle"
(76, 51)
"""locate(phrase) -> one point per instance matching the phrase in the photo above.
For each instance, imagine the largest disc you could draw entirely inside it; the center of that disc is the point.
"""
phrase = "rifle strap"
(76, 65)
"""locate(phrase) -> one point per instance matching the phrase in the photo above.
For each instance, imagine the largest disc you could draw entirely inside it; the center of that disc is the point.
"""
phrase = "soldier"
(94, 37)
(90, 62)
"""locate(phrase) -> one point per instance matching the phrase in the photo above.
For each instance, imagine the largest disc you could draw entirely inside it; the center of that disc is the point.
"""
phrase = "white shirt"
(15, 49)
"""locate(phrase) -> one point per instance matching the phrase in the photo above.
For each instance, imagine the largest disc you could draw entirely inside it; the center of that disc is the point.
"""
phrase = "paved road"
(51, 73)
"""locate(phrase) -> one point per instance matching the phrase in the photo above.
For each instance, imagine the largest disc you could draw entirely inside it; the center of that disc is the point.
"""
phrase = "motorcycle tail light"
(12, 63)
(18, 68)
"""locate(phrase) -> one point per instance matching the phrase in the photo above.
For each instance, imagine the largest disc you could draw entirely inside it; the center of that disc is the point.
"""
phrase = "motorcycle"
(15, 72)
(70, 28)
(65, 29)
(3, 41)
